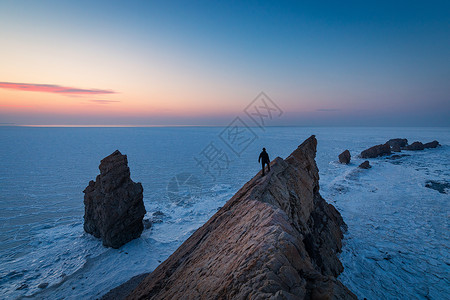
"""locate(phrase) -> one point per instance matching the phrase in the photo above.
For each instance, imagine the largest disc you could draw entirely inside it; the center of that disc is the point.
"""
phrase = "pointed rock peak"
(307, 148)
(113, 156)
(115, 161)
(304, 157)
(117, 152)
(310, 142)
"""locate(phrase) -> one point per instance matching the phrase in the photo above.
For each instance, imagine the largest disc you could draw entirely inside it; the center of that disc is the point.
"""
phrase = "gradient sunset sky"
(337, 63)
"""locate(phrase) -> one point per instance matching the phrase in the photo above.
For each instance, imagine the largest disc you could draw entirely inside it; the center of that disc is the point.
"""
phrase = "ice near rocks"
(396, 245)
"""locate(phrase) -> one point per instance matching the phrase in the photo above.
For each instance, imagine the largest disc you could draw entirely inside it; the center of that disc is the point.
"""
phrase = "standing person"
(264, 158)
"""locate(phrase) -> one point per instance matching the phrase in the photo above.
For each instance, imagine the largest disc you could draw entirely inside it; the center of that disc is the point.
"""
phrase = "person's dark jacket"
(264, 156)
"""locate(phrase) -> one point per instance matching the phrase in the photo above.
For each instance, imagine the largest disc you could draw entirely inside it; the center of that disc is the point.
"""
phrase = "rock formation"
(433, 144)
(365, 165)
(114, 206)
(344, 157)
(375, 151)
(275, 238)
(397, 143)
(419, 146)
(415, 146)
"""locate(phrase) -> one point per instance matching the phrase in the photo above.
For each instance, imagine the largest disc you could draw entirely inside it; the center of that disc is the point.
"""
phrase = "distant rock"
(365, 165)
(157, 217)
(433, 144)
(375, 151)
(415, 146)
(276, 238)
(43, 285)
(397, 143)
(114, 206)
(441, 187)
(344, 157)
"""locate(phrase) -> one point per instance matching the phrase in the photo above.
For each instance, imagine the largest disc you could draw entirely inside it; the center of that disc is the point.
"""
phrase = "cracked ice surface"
(396, 247)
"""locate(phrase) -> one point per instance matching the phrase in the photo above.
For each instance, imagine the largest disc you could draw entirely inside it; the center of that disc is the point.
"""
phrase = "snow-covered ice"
(397, 244)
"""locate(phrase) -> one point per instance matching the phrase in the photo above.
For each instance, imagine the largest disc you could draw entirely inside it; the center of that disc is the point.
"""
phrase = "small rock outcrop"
(441, 187)
(415, 146)
(365, 165)
(375, 151)
(433, 144)
(344, 157)
(276, 238)
(114, 206)
(397, 143)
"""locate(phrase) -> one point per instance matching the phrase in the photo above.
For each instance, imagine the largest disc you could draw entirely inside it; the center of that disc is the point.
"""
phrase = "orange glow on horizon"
(18, 101)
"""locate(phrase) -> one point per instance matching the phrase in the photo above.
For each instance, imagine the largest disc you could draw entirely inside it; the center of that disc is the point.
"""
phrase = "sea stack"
(276, 238)
(344, 157)
(114, 206)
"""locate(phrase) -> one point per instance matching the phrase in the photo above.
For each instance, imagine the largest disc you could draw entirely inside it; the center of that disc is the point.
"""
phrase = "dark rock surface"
(398, 143)
(396, 148)
(157, 217)
(441, 187)
(43, 285)
(375, 151)
(365, 165)
(114, 206)
(276, 238)
(433, 144)
(344, 157)
(415, 146)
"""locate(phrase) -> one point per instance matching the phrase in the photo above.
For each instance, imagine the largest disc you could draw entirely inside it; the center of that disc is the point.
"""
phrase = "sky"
(337, 63)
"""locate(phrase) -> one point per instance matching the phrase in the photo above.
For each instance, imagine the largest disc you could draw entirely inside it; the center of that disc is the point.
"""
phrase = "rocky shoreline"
(275, 238)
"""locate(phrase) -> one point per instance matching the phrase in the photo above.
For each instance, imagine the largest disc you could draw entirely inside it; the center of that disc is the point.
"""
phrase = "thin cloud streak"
(328, 109)
(101, 101)
(52, 88)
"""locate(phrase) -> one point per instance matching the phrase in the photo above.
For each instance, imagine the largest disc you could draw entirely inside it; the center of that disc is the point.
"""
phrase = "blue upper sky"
(197, 62)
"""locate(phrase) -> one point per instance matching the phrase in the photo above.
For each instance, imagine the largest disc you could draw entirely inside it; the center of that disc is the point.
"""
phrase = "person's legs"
(268, 166)
(262, 164)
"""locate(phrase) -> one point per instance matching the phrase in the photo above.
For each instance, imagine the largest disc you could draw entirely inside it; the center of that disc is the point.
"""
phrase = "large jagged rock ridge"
(114, 206)
(276, 238)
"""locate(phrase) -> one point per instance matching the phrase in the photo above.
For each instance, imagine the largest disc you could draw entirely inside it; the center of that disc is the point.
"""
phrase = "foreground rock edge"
(276, 238)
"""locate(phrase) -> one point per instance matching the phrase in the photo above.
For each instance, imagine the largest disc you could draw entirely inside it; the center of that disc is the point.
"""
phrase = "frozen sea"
(396, 247)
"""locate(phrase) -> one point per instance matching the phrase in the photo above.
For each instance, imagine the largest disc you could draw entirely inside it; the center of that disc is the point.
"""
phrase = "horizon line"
(189, 125)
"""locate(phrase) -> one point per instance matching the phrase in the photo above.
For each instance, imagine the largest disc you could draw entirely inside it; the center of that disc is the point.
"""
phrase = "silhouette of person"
(264, 158)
